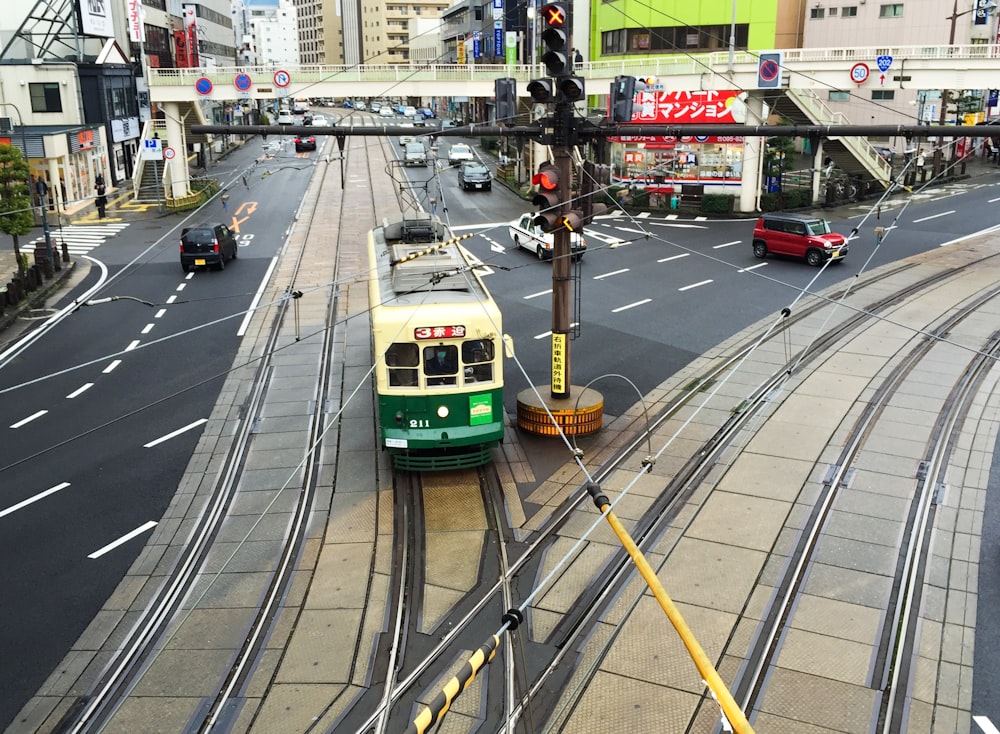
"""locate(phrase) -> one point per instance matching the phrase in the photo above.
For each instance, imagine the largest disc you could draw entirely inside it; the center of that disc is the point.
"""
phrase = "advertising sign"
(498, 38)
(95, 18)
(665, 107)
(982, 15)
(136, 30)
(477, 44)
(461, 51)
(510, 47)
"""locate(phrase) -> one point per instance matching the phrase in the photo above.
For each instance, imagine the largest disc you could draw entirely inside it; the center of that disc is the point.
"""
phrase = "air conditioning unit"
(5, 125)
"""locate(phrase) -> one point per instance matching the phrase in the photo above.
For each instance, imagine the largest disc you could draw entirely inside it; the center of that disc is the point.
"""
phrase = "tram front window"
(477, 357)
(441, 365)
(402, 361)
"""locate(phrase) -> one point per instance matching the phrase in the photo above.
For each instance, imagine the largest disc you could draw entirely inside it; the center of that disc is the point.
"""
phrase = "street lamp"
(532, 17)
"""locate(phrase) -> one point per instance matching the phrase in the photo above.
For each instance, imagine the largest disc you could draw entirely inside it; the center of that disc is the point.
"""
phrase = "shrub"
(795, 198)
(770, 202)
(717, 203)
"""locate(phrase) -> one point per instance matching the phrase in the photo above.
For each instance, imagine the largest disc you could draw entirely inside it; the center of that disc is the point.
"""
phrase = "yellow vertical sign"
(461, 50)
(558, 363)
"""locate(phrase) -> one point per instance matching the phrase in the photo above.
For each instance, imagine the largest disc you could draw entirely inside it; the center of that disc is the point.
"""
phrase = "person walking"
(102, 200)
(920, 165)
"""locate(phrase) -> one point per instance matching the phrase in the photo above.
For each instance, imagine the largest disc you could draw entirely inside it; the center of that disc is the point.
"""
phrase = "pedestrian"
(920, 164)
(102, 200)
(577, 56)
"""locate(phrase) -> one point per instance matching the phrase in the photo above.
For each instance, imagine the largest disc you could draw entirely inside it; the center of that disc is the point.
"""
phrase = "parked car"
(474, 175)
(460, 153)
(348, 104)
(360, 106)
(285, 117)
(426, 112)
(207, 245)
(304, 143)
(408, 111)
(376, 106)
(798, 235)
(386, 111)
(414, 154)
(528, 236)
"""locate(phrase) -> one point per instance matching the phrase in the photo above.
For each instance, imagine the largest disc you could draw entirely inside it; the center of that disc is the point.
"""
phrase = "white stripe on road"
(124, 539)
(546, 334)
(631, 305)
(752, 267)
(188, 276)
(608, 275)
(694, 285)
(41, 495)
(256, 298)
(80, 390)
(536, 295)
(132, 345)
(672, 257)
(33, 416)
(111, 367)
(159, 314)
(726, 244)
(174, 434)
(147, 328)
(986, 725)
(171, 300)
(181, 286)
(933, 216)
(991, 201)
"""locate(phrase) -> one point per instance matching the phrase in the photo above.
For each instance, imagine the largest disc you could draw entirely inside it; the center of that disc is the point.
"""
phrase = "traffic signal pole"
(562, 286)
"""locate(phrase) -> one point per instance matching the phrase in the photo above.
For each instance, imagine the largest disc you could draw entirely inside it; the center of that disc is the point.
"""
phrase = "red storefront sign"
(667, 107)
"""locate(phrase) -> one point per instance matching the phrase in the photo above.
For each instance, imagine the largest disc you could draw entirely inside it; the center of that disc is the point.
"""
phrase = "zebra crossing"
(81, 238)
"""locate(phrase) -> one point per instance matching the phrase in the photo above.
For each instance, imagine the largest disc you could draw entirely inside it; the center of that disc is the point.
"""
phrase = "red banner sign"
(439, 332)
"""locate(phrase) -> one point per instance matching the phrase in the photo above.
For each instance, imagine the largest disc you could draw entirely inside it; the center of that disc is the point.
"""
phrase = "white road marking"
(613, 272)
(181, 286)
(188, 276)
(159, 314)
(694, 285)
(147, 328)
(41, 495)
(752, 267)
(132, 345)
(174, 434)
(631, 305)
(536, 295)
(171, 300)
(642, 215)
(933, 216)
(672, 257)
(990, 201)
(986, 725)
(245, 324)
(111, 367)
(26, 421)
(80, 390)
(546, 334)
(124, 539)
(727, 244)
(633, 231)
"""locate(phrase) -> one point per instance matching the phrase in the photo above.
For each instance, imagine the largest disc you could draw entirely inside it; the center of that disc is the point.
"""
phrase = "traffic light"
(506, 101)
(645, 82)
(548, 197)
(622, 94)
(555, 17)
(593, 186)
(571, 88)
(542, 90)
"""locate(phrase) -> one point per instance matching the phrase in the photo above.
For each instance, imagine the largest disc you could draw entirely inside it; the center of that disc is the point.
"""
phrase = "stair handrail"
(862, 149)
(150, 129)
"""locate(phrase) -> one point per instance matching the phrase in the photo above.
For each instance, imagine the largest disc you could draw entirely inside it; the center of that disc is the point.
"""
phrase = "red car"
(798, 235)
(304, 143)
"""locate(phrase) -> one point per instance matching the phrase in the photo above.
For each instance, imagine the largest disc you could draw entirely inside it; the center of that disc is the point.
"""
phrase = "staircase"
(853, 155)
(147, 186)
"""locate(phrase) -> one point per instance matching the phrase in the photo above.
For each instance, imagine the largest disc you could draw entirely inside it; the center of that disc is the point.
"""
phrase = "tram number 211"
(419, 423)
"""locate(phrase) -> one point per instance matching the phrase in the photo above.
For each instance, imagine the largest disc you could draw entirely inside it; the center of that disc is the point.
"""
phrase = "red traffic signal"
(554, 15)
(547, 178)
(548, 197)
(555, 37)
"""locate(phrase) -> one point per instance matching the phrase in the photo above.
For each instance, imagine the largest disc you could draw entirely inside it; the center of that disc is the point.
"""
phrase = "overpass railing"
(658, 66)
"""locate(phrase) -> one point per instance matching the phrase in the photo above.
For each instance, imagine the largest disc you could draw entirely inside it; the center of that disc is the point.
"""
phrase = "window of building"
(835, 95)
(45, 97)
(833, 12)
(883, 94)
(894, 10)
(851, 11)
(817, 13)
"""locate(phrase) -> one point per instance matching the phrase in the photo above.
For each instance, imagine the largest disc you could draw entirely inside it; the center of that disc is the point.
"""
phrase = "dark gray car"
(474, 176)
(207, 244)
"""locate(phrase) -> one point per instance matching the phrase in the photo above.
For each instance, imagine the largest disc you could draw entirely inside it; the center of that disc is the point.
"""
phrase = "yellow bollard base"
(579, 415)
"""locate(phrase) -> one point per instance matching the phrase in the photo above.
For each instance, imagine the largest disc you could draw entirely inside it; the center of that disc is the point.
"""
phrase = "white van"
(285, 117)
(300, 106)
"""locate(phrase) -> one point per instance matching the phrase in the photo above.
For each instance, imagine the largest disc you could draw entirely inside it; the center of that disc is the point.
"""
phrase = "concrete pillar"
(817, 172)
(179, 173)
(55, 193)
(752, 158)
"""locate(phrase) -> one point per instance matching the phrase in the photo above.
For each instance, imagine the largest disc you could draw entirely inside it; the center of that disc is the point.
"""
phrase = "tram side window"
(402, 361)
(477, 357)
(441, 364)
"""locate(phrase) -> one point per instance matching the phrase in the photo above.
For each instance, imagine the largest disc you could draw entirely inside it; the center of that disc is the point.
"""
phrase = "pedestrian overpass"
(807, 74)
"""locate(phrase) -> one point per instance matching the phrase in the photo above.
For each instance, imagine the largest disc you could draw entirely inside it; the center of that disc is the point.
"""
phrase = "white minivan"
(285, 117)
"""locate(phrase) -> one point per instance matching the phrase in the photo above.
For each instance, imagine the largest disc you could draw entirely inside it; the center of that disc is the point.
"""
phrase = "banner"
(95, 18)
(666, 107)
(136, 31)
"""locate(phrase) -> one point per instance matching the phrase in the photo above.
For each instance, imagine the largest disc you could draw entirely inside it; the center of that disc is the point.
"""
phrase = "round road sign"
(282, 78)
(859, 73)
(242, 82)
(768, 70)
(203, 86)
(169, 153)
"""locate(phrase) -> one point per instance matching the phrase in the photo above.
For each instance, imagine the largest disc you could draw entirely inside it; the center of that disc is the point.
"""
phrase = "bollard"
(65, 252)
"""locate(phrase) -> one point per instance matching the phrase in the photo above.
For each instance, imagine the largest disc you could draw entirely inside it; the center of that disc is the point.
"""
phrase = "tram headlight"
(442, 411)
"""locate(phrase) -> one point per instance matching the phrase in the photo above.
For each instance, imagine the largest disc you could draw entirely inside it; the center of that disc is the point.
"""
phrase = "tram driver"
(441, 365)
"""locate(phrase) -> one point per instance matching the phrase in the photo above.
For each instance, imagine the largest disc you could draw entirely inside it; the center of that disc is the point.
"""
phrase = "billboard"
(95, 18)
(667, 107)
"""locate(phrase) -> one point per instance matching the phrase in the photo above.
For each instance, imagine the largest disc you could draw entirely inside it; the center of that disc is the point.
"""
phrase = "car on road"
(348, 104)
(285, 117)
(304, 143)
(408, 111)
(360, 106)
(528, 236)
(207, 245)
(376, 106)
(320, 121)
(460, 153)
(475, 176)
(426, 112)
(798, 235)
(386, 111)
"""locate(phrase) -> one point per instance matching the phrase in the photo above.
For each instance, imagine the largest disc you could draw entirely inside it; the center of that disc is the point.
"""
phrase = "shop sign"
(85, 139)
(670, 140)
(667, 107)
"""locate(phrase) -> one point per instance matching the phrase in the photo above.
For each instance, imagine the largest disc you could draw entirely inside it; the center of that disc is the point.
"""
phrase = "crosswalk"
(81, 238)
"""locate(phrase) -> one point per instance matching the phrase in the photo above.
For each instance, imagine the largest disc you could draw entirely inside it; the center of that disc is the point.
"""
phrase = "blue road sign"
(243, 82)
(203, 86)
(884, 62)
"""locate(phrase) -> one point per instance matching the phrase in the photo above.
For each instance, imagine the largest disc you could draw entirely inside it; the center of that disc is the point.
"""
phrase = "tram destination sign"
(439, 332)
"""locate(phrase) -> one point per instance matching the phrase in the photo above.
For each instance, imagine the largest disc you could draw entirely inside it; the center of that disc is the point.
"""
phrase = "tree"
(16, 216)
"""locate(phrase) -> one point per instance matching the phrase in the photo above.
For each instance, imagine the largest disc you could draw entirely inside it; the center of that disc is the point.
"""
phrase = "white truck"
(528, 236)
